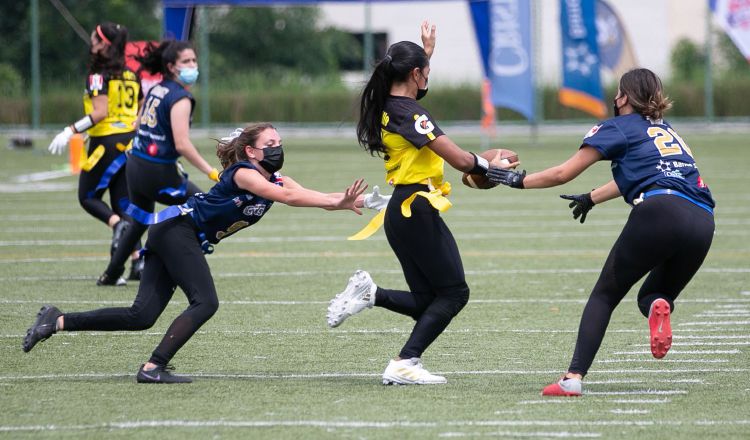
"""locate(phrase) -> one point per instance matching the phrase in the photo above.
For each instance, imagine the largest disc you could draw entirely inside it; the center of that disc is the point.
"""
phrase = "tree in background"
(277, 39)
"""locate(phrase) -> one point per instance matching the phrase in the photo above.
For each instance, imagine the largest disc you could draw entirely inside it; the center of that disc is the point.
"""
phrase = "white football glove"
(375, 200)
(60, 142)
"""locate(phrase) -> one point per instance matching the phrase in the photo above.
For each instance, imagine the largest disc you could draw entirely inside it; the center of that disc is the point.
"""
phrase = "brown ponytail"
(645, 93)
(232, 151)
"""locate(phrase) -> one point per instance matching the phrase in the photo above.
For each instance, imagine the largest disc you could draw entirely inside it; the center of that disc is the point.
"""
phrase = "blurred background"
(305, 61)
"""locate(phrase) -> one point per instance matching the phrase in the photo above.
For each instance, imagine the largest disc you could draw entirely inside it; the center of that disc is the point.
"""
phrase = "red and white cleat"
(570, 387)
(661, 329)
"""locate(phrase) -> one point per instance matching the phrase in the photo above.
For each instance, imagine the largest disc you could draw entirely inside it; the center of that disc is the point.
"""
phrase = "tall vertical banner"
(503, 29)
(581, 88)
(734, 17)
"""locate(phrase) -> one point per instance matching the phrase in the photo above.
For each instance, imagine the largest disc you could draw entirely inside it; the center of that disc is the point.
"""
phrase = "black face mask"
(615, 108)
(273, 159)
(421, 93)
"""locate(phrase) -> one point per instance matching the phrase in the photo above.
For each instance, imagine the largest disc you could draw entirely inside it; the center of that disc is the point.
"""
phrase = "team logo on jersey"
(256, 210)
(237, 202)
(96, 82)
(593, 131)
(422, 124)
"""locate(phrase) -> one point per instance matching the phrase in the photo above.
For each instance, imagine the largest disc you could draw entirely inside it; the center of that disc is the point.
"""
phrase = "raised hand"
(60, 142)
(428, 37)
(507, 177)
(581, 204)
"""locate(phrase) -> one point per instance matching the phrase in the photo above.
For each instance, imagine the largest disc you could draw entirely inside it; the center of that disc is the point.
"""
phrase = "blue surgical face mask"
(188, 75)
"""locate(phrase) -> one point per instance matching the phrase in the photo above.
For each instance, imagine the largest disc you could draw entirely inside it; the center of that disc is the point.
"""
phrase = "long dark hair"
(645, 93)
(400, 59)
(112, 59)
(233, 151)
(157, 57)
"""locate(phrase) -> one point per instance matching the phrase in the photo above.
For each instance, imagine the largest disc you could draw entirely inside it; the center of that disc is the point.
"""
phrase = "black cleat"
(106, 280)
(43, 328)
(136, 268)
(160, 374)
(117, 232)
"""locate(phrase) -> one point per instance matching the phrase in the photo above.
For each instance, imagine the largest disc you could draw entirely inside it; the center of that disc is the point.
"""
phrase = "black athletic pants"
(432, 267)
(145, 181)
(666, 237)
(174, 258)
(91, 199)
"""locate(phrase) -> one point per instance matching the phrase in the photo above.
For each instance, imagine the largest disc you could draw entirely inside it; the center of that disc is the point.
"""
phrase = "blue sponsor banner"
(503, 29)
(581, 86)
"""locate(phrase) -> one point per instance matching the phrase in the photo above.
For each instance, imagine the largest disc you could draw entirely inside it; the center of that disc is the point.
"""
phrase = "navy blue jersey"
(646, 153)
(154, 140)
(227, 208)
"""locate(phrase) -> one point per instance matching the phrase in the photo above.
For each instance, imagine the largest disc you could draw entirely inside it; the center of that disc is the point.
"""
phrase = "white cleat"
(358, 295)
(409, 372)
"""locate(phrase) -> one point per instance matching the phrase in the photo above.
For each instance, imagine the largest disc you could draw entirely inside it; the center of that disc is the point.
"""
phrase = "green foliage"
(11, 83)
(267, 38)
(688, 60)
(734, 64)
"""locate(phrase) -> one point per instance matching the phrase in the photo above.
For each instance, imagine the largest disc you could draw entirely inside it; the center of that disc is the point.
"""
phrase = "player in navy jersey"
(669, 230)
(248, 187)
(110, 102)
(163, 136)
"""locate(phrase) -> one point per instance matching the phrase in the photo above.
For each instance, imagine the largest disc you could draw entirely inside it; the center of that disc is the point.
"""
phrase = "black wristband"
(481, 165)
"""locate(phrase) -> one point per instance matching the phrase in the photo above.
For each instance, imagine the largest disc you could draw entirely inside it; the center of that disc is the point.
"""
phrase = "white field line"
(699, 344)
(549, 401)
(629, 412)
(342, 238)
(680, 337)
(522, 434)
(640, 401)
(294, 376)
(722, 315)
(670, 361)
(201, 424)
(636, 393)
(712, 323)
(639, 381)
(41, 176)
(674, 352)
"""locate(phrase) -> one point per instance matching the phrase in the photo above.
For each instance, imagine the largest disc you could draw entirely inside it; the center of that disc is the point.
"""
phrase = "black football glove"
(511, 178)
(581, 204)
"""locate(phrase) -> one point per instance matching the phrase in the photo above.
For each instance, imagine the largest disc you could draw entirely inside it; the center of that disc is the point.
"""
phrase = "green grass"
(266, 366)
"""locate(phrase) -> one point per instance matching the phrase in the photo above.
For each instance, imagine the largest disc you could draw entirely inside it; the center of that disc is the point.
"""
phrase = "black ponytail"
(401, 58)
(157, 57)
(112, 58)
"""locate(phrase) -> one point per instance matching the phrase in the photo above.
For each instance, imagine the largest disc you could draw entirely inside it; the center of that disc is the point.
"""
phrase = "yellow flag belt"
(436, 197)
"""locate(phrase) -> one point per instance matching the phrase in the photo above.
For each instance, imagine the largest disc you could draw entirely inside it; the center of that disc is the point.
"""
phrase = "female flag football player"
(668, 232)
(163, 136)
(111, 106)
(248, 187)
(392, 123)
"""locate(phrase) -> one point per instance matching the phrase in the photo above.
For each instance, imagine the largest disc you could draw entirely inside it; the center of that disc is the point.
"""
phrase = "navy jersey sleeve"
(607, 138)
(97, 84)
(418, 127)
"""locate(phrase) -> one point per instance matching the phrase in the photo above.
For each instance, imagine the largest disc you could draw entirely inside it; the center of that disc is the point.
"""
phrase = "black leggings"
(666, 237)
(174, 258)
(432, 267)
(145, 181)
(88, 196)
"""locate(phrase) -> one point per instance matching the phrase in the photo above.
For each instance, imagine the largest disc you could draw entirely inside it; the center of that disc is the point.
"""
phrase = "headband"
(101, 34)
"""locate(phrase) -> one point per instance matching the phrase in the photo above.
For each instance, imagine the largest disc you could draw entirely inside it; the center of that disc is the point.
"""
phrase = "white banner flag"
(734, 17)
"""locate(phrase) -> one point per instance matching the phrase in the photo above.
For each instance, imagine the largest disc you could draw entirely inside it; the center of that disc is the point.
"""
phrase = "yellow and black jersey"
(406, 128)
(123, 92)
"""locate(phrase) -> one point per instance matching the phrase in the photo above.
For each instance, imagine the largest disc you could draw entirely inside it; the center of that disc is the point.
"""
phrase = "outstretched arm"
(554, 176)
(179, 116)
(294, 194)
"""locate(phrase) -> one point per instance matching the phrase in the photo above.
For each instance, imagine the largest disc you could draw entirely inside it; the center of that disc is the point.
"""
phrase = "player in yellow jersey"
(395, 126)
(110, 103)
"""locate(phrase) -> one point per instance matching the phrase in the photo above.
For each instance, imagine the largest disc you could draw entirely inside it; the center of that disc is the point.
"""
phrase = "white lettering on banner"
(508, 56)
(576, 28)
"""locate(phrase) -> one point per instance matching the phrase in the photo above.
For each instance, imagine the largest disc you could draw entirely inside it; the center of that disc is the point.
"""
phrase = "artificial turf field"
(266, 365)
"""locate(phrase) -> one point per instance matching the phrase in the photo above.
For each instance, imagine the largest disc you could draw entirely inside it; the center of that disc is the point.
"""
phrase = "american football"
(496, 157)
